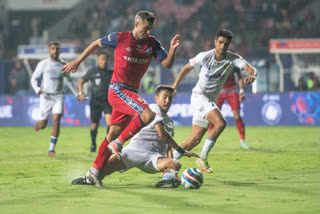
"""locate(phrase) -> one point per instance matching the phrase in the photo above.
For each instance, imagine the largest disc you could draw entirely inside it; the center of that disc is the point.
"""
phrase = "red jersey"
(132, 57)
(230, 84)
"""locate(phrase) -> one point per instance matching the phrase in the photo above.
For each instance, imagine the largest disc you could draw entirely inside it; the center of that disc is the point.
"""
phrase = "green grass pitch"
(281, 174)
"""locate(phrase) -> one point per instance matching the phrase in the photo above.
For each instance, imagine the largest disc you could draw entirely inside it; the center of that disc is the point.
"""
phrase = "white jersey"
(49, 73)
(148, 139)
(214, 73)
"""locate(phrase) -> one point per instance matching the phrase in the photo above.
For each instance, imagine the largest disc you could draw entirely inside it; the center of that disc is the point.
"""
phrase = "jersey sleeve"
(160, 53)
(36, 76)
(239, 61)
(158, 116)
(197, 60)
(110, 41)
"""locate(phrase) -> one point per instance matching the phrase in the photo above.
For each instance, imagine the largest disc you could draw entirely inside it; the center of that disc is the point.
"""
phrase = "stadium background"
(24, 25)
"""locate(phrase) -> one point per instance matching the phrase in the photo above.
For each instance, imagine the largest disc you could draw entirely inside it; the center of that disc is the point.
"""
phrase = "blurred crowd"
(253, 22)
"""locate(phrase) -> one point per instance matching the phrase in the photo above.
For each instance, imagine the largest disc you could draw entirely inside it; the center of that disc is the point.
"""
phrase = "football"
(192, 178)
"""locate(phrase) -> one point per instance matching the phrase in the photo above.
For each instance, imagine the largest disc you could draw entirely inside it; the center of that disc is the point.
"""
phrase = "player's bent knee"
(174, 164)
(221, 124)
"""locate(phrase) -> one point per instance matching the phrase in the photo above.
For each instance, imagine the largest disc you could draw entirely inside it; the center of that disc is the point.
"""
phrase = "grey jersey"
(148, 139)
(48, 72)
(214, 73)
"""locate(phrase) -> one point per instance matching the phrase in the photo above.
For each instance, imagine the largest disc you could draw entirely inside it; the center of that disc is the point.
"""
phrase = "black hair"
(225, 33)
(146, 15)
(56, 43)
(160, 88)
(104, 52)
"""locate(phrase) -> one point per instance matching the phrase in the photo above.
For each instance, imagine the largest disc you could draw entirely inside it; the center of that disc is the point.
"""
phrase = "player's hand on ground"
(81, 97)
(249, 79)
(71, 66)
(175, 42)
(190, 154)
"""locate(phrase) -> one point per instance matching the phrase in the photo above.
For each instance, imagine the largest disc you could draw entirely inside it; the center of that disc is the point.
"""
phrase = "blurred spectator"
(18, 79)
(301, 85)
(313, 82)
(148, 84)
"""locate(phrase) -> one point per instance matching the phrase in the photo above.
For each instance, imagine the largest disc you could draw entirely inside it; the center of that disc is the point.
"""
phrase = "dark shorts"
(96, 110)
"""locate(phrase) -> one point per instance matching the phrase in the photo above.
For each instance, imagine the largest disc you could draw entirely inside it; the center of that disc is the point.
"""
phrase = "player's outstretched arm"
(184, 71)
(166, 138)
(73, 66)
(168, 62)
(252, 74)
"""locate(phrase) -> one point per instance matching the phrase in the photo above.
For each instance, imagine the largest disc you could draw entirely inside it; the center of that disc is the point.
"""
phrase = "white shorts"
(144, 160)
(201, 106)
(50, 104)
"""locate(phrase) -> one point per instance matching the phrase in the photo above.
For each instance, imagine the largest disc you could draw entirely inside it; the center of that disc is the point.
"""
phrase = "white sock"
(53, 142)
(169, 175)
(176, 155)
(208, 144)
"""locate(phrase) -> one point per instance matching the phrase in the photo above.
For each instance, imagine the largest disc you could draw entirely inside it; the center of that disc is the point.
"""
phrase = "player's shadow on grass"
(265, 150)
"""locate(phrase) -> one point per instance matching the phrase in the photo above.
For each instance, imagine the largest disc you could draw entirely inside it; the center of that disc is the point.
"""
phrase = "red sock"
(134, 127)
(103, 155)
(240, 126)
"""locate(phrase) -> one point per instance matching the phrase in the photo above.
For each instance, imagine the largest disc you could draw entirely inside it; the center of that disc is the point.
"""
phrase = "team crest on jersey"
(98, 81)
(149, 51)
(128, 49)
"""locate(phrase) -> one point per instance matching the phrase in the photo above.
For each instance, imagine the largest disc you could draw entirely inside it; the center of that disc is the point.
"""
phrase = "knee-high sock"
(103, 155)
(134, 127)
(207, 146)
(240, 126)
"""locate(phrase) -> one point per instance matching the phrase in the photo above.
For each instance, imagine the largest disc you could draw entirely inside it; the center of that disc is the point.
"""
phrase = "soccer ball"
(192, 178)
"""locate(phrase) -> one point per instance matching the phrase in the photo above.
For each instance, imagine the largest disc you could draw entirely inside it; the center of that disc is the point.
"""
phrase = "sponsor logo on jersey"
(136, 60)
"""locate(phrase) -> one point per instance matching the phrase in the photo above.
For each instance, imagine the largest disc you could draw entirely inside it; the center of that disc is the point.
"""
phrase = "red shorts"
(126, 104)
(232, 99)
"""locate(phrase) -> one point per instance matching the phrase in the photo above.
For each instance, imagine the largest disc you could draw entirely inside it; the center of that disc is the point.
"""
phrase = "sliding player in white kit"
(216, 66)
(148, 148)
(48, 72)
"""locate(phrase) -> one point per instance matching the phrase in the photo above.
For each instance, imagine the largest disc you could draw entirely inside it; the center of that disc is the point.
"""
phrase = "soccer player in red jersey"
(133, 52)
(230, 93)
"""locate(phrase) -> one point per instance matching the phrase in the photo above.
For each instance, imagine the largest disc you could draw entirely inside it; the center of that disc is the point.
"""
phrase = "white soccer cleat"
(93, 179)
(244, 145)
(204, 165)
(116, 147)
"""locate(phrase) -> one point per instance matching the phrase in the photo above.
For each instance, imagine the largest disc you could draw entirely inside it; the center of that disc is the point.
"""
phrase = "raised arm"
(73, 66)
(175, 42)
(166, 138)
(184, 71)
(252, 74)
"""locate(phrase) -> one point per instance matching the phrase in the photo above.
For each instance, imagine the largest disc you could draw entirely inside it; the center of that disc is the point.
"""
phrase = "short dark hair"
(56, 43)
(225, 33)
(104, 52)
(160, 88)
(146, 15)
